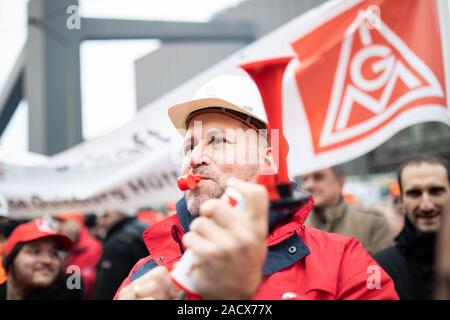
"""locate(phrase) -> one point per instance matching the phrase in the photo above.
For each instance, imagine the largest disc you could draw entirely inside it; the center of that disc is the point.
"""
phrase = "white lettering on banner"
(138, 143)
(131, 192)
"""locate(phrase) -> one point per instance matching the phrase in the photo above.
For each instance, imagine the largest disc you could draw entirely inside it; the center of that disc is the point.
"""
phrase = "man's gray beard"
(193, 202)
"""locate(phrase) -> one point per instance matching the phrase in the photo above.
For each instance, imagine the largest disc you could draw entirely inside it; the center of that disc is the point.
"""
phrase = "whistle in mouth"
(188, 182)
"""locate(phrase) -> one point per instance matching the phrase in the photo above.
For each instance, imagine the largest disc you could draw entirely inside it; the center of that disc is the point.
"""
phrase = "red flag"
(375, 66)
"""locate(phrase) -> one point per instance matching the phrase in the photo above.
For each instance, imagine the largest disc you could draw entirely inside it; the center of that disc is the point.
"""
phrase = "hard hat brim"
(179, 113)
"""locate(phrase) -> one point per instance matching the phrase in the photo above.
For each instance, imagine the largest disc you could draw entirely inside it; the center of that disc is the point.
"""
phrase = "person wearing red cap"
(86, 251)
(34, 264)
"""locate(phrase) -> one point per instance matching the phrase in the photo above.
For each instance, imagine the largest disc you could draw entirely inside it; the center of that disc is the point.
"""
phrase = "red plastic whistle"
(188, 182)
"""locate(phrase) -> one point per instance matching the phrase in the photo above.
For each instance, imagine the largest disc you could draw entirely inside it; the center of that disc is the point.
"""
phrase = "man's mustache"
(204, 174)
(424, 214)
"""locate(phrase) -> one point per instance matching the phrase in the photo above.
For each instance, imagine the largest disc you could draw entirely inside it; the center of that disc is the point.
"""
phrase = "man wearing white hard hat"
(247, 251)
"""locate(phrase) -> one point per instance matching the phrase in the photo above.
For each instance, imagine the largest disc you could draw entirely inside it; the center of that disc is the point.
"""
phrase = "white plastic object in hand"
(182, 273)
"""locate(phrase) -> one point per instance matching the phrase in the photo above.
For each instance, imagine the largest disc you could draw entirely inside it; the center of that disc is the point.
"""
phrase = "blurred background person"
(424, 183)
(90, 222)
(123, 246)
(86, 251)
(34, 264)
(7, 226)
(442, 281)
(332, 214)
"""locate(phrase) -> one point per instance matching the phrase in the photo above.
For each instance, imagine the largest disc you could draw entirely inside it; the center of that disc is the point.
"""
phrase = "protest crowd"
(326, 247)
(232, 181)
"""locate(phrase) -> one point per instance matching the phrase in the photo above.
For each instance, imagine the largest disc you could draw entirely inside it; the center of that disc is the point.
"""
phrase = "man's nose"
(426, 204)
(46, 257)
(199, 157)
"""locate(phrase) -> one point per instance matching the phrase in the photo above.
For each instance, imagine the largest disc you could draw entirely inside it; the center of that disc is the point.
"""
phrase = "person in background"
(34, 264)
(86, 251)
(123, 246)
(424, 183)
(442, 281)
(7, 226)
(332, 214)
(90, 222)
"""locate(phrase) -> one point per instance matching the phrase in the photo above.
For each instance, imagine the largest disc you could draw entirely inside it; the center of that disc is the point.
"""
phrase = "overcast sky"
(107, 67)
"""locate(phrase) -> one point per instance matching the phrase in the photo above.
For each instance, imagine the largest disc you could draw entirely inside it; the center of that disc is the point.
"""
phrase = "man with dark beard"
(425, 197)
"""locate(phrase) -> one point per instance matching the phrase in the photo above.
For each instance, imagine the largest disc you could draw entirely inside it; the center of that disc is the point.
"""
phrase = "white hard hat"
(4, 208)
(231, 92)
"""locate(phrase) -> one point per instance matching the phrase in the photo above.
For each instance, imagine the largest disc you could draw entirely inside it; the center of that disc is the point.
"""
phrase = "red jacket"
(85, 254)
(302, 262)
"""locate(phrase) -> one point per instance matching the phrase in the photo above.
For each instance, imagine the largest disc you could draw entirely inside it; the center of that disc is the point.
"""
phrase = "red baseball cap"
(34, 230)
